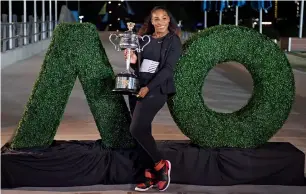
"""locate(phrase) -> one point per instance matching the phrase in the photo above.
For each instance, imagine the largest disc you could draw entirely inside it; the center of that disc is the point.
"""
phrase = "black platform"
(79, 163)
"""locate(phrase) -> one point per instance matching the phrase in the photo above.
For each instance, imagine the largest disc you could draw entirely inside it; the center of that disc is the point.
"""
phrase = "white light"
(119, 4)
(263, 23)
(81, 17)
(122, 0)
(109, 2)
(110, 12)
(118, 18)
(110, 24)
(117, 30)
(268, 23)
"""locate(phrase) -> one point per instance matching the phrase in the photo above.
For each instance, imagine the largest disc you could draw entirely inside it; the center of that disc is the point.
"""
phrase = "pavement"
(297, 60)
(173, 189)
(300, 54)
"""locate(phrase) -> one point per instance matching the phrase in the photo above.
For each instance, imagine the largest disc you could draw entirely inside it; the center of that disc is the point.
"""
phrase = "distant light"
(122, 0)
(263, 23)
(268, 23)
(110, 12)
(118, 18)
(109, 2)
(110, 24)
(81, 17)
(119, 4)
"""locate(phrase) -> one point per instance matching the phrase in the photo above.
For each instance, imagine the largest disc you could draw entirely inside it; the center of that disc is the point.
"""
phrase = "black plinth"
(80, 163)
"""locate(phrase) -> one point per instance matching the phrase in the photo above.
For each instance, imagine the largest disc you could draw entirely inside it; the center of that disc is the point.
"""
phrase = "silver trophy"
(127, 82)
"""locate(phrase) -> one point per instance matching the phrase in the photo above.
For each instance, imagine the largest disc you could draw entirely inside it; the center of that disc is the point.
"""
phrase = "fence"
(186, 35)
(293, 44)
(18, 34)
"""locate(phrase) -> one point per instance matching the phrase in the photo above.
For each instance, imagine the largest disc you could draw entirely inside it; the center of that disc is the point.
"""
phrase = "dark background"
(286, 24)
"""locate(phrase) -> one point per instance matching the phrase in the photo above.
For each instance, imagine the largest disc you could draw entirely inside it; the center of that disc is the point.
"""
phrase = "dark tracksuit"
(166, 51)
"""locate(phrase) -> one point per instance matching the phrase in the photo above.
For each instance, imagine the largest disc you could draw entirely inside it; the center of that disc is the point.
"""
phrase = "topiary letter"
(75, 51)
(268, 107)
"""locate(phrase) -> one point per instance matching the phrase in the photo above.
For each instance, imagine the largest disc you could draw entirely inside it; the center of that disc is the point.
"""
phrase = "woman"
(157, 60)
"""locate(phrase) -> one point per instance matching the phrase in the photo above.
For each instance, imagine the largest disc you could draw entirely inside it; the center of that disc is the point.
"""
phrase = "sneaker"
(163, 168)
(149, 183)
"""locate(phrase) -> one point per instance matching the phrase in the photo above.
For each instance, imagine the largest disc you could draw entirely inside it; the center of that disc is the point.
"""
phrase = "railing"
(186, 35)
(18, 34)
(293, 44)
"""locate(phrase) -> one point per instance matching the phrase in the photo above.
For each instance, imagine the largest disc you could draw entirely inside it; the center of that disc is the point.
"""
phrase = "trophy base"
(126, 84)
(125, 91)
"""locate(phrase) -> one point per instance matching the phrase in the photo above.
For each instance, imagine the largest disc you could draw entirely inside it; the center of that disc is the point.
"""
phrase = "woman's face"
(160, 21)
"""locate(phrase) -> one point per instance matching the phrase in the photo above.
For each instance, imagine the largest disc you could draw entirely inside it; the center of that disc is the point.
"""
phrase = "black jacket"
(171, 51)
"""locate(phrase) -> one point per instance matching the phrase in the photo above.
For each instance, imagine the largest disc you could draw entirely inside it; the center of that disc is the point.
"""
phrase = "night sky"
(193, 10)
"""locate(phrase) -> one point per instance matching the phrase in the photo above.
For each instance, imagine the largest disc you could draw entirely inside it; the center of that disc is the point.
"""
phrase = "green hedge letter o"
(267, 109)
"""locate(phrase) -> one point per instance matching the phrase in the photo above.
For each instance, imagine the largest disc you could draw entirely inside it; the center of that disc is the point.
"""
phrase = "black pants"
(143, 111)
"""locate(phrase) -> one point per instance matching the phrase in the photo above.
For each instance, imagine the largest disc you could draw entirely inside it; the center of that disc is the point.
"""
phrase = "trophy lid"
(130, 26)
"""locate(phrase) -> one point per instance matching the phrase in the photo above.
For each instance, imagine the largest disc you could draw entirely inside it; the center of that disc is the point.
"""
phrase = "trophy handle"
(142, 38)
(110, 39)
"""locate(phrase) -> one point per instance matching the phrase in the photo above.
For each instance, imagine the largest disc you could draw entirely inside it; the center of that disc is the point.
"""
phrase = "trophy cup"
(127, 82)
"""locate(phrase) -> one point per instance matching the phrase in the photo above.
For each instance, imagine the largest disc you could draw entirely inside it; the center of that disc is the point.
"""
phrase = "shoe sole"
(169, 171)
(140, 189)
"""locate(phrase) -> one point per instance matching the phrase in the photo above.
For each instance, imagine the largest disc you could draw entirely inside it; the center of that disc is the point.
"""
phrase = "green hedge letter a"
(75, 51)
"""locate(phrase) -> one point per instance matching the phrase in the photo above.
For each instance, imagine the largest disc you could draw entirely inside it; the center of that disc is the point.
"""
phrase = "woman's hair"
(148, 28)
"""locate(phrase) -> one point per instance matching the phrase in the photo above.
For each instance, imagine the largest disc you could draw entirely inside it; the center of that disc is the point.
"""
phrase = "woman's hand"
(143, 92)
(132, 54)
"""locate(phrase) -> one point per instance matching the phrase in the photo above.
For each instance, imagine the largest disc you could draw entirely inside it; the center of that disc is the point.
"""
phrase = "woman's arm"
(134, 65)
(170, 63)
(133, 60)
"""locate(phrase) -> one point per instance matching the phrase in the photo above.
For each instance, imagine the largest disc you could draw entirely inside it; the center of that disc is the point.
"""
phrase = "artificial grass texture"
(267, 109)
(75, 51)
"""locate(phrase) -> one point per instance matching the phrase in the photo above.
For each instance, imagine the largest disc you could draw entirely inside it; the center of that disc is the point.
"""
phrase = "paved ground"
(300, 54)
(227, 88)
(299, 59)
(173, 189)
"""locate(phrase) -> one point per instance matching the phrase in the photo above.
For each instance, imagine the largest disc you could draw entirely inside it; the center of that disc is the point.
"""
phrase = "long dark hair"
(148, 28)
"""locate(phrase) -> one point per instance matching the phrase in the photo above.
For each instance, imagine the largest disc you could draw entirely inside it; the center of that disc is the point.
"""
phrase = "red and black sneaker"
(163, 168)
(149, 183)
